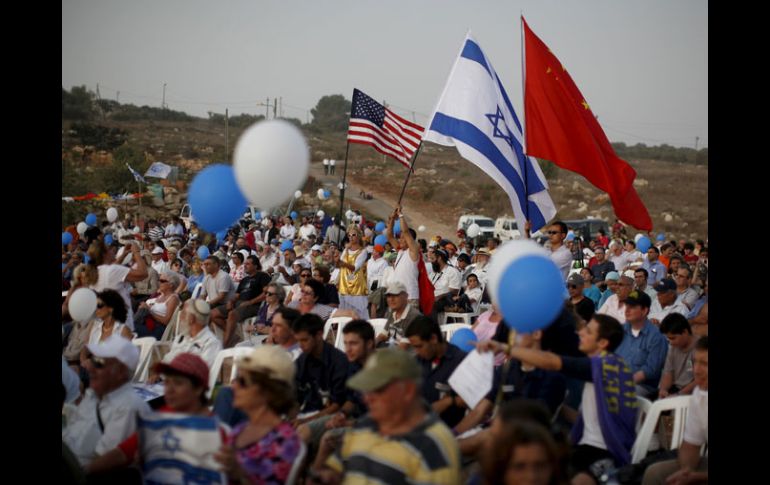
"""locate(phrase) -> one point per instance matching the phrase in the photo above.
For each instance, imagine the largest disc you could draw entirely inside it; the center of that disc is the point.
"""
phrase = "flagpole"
(408, 173)
(523, 126)
(342, 190)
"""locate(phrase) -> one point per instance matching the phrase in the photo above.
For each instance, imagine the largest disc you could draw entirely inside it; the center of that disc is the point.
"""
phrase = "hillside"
(443, 187)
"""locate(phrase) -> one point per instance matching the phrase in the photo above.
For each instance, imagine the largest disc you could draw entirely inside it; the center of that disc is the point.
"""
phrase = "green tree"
(77, 104)
(331, 114)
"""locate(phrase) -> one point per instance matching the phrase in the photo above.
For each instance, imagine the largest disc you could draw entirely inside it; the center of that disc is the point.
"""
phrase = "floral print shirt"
(269, 460)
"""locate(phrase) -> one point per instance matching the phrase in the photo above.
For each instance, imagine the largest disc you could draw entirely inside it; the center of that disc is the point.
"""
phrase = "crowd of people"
(379, 407)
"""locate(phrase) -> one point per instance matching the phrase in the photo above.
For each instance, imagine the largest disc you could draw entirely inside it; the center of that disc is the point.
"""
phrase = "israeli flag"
(180, 448)
(475, 115)
(158, 170)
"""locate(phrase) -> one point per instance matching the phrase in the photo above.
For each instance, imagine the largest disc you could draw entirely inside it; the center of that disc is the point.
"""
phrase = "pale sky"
(642, 66)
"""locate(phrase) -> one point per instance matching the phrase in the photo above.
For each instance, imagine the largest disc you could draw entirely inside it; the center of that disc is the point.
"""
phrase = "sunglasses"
(100, 305)
(572, 286)
(306, 275)
(267, 293)
(554, 232)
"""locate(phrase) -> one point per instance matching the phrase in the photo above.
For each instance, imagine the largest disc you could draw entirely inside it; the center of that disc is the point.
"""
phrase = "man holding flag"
(475, 114)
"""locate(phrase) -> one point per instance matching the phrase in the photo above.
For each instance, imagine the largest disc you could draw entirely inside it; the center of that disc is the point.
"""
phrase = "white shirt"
(118, 411)
(160, 266)
(659, 313)
(563, 259)
(288, 231)
(696, 427)
(621, 261)
(614, 308)
(374, 270)
(206, 345)
(306, 230)
(446, 280)
(70, 380)
(406, 273)
(592, 431)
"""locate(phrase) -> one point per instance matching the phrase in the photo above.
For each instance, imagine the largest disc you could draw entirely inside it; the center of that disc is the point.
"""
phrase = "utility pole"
(267, 109)
(280, 103)
(227, 138)
(117, 100)
(696, 143)
(163, 103)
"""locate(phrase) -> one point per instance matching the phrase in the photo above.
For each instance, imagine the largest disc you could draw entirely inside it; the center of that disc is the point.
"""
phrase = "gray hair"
(172, 277)
(279, 293)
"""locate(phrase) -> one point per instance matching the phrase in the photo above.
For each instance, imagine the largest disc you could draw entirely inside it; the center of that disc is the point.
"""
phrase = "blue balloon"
(203, 252)
(397, 228)
(643, 244)
(381, 240)
(66, 238)
(570, 236)
(464, 339)
(86, 258)
(531, 293)
(221, 235)
(327, 194)
(91, 219)
(661, 237)
(287, 245)
(215, 199)
(293, 214)
(108, 239)
(379, 227)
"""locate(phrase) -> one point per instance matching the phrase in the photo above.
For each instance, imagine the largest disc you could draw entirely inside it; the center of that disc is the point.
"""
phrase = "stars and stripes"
(373, 124)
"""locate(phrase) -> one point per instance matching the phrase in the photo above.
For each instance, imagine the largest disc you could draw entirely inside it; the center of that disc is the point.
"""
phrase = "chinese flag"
(560, 127)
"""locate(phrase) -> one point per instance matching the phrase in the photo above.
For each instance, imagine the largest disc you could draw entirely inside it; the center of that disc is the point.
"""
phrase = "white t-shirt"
(375, 270)
(614, 308)
(406, 273)
(288, 231)
(446, 280)
(696, 427)
(592, 431)
(659, 313)
(563, 259)
(306, 230)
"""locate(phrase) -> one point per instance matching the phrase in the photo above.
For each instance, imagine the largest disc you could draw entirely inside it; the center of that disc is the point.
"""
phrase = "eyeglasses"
(554, 232)
(100, 305)
(269, 294)
(305, 275)
(572, 286)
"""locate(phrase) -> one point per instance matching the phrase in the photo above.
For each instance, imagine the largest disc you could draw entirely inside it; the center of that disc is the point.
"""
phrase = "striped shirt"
(426, 454)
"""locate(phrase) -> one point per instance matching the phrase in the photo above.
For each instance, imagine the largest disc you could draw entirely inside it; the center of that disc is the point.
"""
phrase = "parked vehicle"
(486, 224)
(506, 228)
(187, 217)
(588, 229)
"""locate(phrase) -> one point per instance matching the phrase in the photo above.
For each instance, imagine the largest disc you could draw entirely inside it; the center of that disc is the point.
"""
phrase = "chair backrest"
(448, 329)
(145, 345)
(644, 409)
(216, 367)
(297, 465)
(172, 328)
(679, 406)
(196, 292)
(379, 325)
(332, 324)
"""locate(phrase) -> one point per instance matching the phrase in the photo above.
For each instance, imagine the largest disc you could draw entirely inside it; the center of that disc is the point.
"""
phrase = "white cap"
(119, 348)
(316, 248)
(157, 250)
(271, 360)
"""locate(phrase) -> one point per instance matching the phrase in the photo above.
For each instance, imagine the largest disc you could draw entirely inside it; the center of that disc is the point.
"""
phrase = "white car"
(486, 225)
(506, 228)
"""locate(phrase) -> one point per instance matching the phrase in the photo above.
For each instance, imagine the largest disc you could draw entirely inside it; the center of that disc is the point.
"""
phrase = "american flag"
(375, 125)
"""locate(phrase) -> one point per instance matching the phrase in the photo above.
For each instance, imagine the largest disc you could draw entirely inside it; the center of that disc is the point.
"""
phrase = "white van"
(506, 228)
(486, 224)
(186, 214)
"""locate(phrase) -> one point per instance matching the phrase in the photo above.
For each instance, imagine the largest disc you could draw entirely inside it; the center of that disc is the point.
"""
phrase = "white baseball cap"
(119, 348)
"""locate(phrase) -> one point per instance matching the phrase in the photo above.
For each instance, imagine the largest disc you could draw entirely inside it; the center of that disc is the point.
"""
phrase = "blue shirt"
(656, 271)
(606, 294)
(646, 353)
(698, 305)
(594, 294)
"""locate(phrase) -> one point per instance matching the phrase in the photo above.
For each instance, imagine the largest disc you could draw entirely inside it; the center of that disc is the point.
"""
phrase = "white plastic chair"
(145, 345)
(679, 405)
(333, 324)
(216, 367)
(196, 292)
(172, 328)
(297, 465)
(379, 325)
(465, 317)
(450, 328)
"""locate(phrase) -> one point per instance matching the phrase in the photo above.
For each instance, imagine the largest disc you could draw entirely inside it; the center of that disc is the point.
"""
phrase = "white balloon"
(270, 159)
(638, 236)
(350, 214)
(473, 230)
(135, 230)
(504, 256)
(321, 194)
(82, 227)
(82, 304)
(320, 214)
(421, 228)
(112, 214)
(298, 194)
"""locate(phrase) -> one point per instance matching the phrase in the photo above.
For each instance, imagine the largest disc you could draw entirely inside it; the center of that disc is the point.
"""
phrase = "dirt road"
(381, 206)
